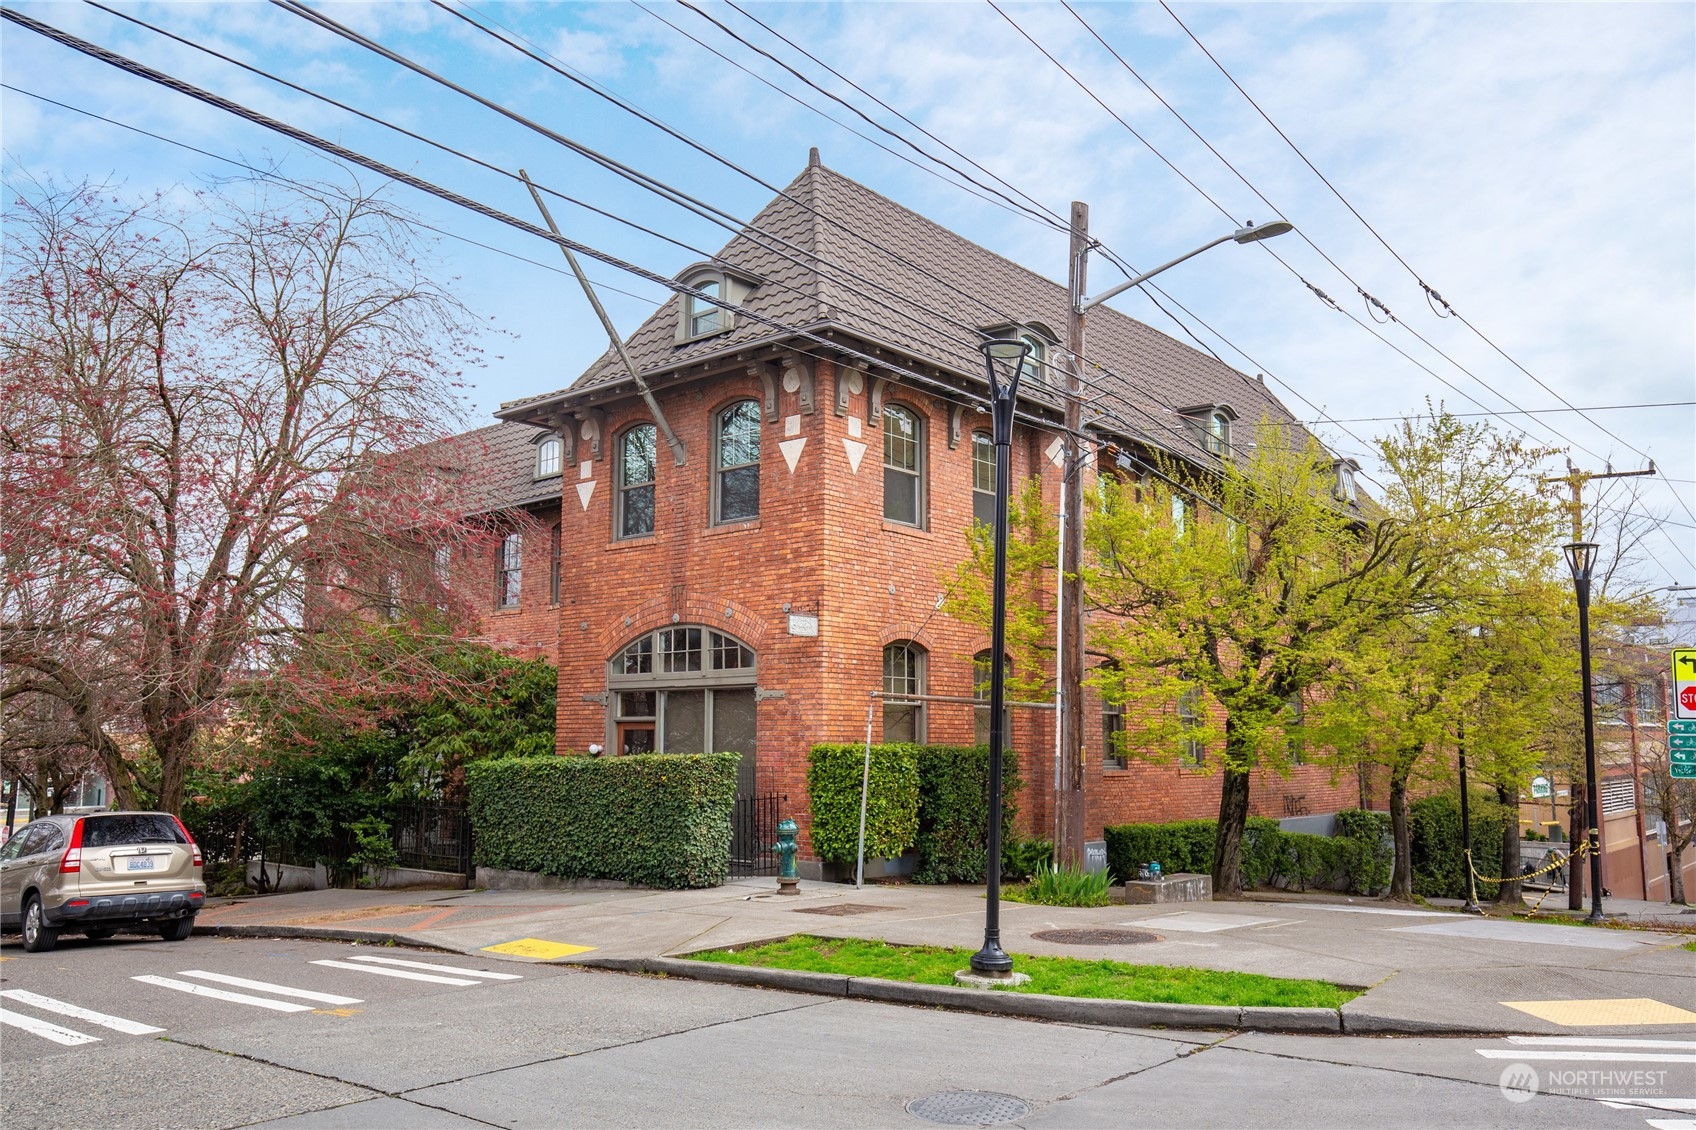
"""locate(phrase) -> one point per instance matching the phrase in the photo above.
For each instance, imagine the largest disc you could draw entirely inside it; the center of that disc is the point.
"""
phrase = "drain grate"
(843, 909)
(1097, 937)
(968, 1108)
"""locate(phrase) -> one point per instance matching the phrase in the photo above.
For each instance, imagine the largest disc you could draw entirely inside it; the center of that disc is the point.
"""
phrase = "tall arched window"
(1218, 433)
(983, 478)
(548, 458)
(903, 466)
(980, 691)
(704, 317)
(509, 571)
(1035, 367)
(636, 465)
(736, 478)
(903, 674)
(553, 564)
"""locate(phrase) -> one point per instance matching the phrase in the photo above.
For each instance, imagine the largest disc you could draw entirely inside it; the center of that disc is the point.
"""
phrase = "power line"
(1538, 412)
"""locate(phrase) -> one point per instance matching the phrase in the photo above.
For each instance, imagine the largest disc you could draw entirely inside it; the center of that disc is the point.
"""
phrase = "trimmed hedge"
(892, 800)
(655, 820)
(1359, 857)
(1439, 867)
(953, 839)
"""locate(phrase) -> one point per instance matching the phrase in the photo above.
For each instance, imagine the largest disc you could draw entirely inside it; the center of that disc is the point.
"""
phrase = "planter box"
(1179, 887)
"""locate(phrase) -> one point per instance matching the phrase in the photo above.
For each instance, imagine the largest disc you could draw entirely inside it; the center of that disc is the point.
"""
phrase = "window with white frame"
(1035, 366)
(736, 478)
(903, 674)
(705, 317)
(903, 465)
(509, 571)
(983, 478)
(637, 463)
(1191, 751)
(548, 454)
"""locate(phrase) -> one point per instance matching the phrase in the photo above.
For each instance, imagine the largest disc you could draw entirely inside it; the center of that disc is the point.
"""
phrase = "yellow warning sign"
(538, 948)
(1584, 1014)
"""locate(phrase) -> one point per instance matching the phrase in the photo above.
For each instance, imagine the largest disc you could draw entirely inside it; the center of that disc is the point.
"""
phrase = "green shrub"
(1183, 845)
(892, 800)
(1368, 851)
(1357, 856)
(953, 838)
(1068, 886)
(657, 820)
(1020, 859)
(1439, 869)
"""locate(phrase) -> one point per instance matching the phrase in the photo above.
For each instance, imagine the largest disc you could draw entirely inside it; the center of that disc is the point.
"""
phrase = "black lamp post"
(1581, 558)
(1005, 361)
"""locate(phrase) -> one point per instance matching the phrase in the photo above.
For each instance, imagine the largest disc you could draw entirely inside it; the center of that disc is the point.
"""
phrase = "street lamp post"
(1581, 559)
(1004, 360)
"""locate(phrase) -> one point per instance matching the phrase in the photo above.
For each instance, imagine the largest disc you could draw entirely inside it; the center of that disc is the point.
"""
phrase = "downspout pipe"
(671, 439)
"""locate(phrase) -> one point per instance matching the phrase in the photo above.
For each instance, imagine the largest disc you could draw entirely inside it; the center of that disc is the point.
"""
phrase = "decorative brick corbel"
(847, 369)
(874, 402)
(956, 414)
(566, 429)
(592, 426)
(803, 370)
(767, 374)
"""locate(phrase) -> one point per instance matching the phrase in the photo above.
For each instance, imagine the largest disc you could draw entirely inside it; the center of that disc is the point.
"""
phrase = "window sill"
(509, 610)
(731, 528)
(631, 543)
(901, 528)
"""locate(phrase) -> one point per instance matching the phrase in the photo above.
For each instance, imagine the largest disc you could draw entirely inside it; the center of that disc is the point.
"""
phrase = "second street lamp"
(1581, 559)
(1005, 361)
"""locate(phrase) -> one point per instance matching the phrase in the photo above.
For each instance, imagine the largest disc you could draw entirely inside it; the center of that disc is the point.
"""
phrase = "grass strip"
(1100, 979)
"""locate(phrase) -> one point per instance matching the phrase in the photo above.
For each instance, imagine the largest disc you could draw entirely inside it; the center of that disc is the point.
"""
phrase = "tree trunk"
(1675, 873)
(1511, 892)
(1401, 881)
(1228, 836)
(173, 769)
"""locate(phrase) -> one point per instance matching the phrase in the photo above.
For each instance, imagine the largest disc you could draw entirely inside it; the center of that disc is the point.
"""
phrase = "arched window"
(553, 564)
(980, 691)
(685, 689)
(903, 466)
(636, 465)
(548, 458)
(1218, 433)
(509, 571)
(903, 674)
(736, 480)
(705, 318)
(983, 478)
(1035, 367)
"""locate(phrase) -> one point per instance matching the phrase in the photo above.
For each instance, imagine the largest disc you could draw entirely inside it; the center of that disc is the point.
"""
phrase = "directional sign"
(1680, 726)
(1684, 769)
(1684, 683)
(1683, 754)
(1683, 741)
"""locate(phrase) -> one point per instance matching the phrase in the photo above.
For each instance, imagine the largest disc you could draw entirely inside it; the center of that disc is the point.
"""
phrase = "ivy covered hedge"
(834, 775)
(1435, 844)
(1358, 856)
(953, 837)
(657, 820)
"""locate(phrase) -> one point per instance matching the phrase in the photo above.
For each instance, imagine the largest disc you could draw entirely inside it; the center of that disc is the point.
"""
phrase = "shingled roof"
(817, 244)
(498, 465)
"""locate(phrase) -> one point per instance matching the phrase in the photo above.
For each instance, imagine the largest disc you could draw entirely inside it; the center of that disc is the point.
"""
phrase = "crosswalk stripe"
(48, 1004)
(398, 973)
(45, 1030)
(1601, 1042)
(266, 986)
(1579, 1056)
(220, 994)
(1672, 1123)
(440, 968)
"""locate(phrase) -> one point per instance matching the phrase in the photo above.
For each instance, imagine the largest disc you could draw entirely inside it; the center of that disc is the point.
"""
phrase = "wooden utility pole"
(1578, 811)
(1069, 799)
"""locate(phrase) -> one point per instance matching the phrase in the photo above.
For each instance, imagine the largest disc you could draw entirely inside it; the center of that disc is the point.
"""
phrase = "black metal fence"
(433, 837)
(753, 835)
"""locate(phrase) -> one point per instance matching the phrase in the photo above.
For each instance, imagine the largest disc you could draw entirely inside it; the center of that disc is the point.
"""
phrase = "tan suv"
(100, 873)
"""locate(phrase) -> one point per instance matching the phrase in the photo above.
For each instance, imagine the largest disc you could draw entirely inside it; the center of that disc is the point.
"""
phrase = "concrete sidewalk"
(1425, 970)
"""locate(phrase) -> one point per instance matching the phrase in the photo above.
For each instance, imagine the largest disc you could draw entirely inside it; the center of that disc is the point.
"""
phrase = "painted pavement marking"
(538, 947)
(491, 975)
(268, 987)
(1390, 910)
(1196, 922)
(1601, 1042)
(76, 1012)
(1671, 1123)
(220, 994)
(1579, 1055)
(46, 1031)
(382, 972)
(1535, 932)
(1597, 1013)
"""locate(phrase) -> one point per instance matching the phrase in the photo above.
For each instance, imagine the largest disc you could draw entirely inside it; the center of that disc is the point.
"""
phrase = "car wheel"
(177, 929)
(99, 935)
(39, 937)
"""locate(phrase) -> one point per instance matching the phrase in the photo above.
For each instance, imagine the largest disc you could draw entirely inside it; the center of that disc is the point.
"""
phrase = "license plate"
(140, 863)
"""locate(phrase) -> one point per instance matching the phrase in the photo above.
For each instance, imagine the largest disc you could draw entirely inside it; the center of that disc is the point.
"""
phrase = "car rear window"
(143, 828)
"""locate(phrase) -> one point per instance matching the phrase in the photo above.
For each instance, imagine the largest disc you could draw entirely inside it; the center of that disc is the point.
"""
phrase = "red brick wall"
(531, 630)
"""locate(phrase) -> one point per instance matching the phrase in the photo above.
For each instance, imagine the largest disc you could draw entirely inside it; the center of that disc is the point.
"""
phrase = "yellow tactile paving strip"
(544, 949)
(1597, 1013)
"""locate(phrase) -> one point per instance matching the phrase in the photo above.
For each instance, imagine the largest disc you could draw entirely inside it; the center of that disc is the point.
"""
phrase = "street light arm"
(1090, 303)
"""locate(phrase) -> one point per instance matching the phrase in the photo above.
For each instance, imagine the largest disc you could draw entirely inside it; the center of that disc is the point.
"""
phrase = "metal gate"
(433, 837)
(753, 835)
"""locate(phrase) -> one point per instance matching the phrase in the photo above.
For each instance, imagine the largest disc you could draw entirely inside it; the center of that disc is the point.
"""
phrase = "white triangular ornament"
(584, 490)
(855, 451)
(791, 449)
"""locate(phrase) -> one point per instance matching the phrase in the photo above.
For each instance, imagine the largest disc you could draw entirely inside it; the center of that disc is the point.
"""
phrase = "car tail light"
(71, 863)
(194, 847)
(77, 902)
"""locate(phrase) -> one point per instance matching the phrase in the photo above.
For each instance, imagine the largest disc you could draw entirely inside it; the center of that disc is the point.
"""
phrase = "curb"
(321, 934)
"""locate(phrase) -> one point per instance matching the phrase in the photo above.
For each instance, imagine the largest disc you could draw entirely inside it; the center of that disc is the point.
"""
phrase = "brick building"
(746, 579)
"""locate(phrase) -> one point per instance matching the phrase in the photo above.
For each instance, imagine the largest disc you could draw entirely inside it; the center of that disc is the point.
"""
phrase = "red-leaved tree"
(212, 428)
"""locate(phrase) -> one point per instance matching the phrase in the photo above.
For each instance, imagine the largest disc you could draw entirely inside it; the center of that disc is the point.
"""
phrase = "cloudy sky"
(1535, 164)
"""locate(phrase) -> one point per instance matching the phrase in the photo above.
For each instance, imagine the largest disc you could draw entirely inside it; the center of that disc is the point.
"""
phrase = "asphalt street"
(218, 1032)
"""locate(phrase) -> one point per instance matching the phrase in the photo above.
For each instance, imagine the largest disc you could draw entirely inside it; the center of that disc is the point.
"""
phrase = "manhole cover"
(968, 1108)
(1097, 937)
(843, 909)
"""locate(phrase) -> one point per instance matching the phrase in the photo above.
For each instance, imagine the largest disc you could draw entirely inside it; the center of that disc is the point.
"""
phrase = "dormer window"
(713, 310)
(1342, 486)
(1040, 341)
(1212, 426)
(548, 457)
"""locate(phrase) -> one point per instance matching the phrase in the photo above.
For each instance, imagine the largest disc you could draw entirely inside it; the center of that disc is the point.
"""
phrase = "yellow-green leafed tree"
(1246, 586)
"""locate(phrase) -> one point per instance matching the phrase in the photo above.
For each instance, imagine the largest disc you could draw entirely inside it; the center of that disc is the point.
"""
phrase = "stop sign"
(1687, 697)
